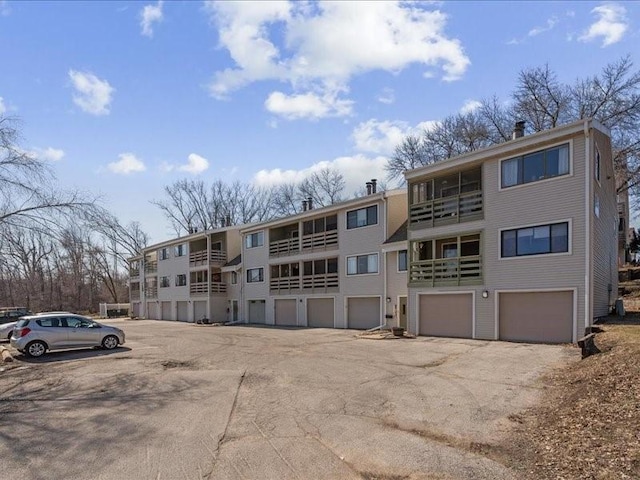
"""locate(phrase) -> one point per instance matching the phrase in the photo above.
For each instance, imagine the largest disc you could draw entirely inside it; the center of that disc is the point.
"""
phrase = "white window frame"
(180, 250)
(406, 260)
(185, 280)
(258, 269)
(163, 253)
(346, 217)
(234, 278)
(538, 182)
(168, 278)
(259, 236)
(569, 223)
(377, 272)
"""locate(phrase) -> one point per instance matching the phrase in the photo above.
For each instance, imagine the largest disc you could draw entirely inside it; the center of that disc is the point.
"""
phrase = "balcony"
(134, 295)
(134, 272)
(284, 285)
(152, 292)
(288, 246)
(215, 258)
(442, 211)
(201, 288)
(446, 271)
(320, 241)
(151, 266)
(324, 282)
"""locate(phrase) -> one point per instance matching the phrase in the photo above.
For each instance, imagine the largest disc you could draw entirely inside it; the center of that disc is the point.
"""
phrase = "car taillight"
(22, 332)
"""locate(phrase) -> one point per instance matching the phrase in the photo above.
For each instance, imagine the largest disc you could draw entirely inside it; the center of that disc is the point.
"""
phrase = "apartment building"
(328, 267)
(187, 278)
(517, 241)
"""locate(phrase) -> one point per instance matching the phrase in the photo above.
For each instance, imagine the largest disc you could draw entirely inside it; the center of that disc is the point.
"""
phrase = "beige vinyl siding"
(199, 310)
(605, 229)
(396, 287)
(396, 213)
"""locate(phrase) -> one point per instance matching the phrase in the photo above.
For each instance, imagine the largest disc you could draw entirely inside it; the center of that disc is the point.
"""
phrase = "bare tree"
(324, 187)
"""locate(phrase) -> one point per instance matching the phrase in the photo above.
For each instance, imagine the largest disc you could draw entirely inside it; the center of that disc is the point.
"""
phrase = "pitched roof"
(400, 235)
(234, 262)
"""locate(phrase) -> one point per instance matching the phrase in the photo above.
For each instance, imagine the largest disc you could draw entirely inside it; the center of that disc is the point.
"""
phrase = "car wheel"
(9, 336)
(35, 349)
(110, 342)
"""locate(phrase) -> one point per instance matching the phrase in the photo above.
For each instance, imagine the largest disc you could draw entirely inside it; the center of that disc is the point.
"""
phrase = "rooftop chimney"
(374, 184)
(310, 203)
(304, 205)
(368, 188)
(518, 130)
(227, 221)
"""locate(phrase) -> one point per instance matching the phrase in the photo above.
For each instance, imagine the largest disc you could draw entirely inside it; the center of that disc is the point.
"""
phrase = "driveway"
(192, 402)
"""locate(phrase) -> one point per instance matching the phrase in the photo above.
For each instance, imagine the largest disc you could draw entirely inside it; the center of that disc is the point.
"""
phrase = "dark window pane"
(560, 238)
(352, 219)
(509, 243)
(319, 225)
(332, 223)
(332, 265)
(275, 271)
(372, 215)
(319, 267)
(362, 264)
(402, 260)
(308, 268)
(295, 269)
(552, 162)
(533, 167)
(307, 227)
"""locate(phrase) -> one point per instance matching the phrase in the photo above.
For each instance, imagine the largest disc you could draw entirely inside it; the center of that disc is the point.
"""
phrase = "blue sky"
(123, 98)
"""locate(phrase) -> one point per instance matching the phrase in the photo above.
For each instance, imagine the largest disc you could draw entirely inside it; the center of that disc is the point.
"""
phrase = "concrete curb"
(6, 356)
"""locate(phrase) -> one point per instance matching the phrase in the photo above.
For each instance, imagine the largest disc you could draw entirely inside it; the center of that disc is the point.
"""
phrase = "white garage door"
(363, 312)
(320, 312)
(285, 310)
(446, 315)
(183, 311)
(200, 310)
(256, 311)
(536, 316)
(166, 310)
(135, 310)
(152, 310)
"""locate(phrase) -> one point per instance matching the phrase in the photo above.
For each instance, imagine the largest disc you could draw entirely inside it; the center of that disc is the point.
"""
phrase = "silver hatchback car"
(35, 334)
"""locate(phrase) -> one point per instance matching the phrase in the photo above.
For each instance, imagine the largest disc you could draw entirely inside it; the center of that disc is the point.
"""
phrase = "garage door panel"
(285, 312)
(446, 315)
(166, 310)
(183, 311)
(257, 311)
(363, 312)
(536, 316)
(152, 310)
(199, 310)
(320, 312)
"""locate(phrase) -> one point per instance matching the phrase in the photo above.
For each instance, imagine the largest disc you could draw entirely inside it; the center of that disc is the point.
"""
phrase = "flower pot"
(397, 331)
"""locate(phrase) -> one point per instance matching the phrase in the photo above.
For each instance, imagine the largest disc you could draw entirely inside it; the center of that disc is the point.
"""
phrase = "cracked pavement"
(181, 401)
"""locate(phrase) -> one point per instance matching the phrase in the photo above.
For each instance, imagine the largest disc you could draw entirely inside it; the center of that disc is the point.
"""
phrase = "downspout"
(383, 320)
(209, 316)
(587, 228)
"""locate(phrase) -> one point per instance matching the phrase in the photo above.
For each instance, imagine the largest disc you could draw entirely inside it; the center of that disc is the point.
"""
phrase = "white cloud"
(195, 164)
(326, 44)
(611, 24)
(2, 106)
(92, 95)
(48, 154)
(356, 170)
(379, 137)
(387, 96)
(149, 15)
(469, 106)
(307, 105)
(127, 163)
(535, 31)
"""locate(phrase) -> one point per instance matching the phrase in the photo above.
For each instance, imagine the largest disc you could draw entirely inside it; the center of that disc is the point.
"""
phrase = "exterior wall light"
(485, 294)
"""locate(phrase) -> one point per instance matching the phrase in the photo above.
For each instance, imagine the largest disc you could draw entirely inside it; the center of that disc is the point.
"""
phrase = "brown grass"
(588, 423)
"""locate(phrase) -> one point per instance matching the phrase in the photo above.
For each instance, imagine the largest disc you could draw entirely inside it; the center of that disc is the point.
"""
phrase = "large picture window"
(535, 166)
(362, 217)
(538, 240)
(254, 240)
(255, 275)
(362, 264)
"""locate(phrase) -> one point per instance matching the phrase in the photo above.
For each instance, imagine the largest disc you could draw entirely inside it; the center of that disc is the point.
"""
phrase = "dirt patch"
(588, 423)
(167, 364)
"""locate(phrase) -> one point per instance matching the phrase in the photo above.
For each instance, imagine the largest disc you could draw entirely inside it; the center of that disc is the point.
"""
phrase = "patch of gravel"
(587, 425)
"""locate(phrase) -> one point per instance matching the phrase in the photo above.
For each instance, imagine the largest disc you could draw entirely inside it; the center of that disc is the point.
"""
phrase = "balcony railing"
(151, 266)
(200, 288)
(134, 272)
(215, 257)
(458, 208)
(284, 285)
(328, 280)
(322, 240)
(288, 246)
(152, 292)
(447, 271)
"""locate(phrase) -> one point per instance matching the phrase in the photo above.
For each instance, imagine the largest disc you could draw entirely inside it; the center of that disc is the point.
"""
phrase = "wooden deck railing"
(215, 257)
(288, 246)
(322, 240)
(200, 288)
(447, 271)
(464, 207)
(329, 280)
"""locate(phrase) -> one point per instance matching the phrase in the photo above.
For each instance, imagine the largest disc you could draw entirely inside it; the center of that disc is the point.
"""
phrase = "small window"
(596, 167)
(362, 217)
(181, 280)
(164, 253)
(538, 240)
(180, 250)
(402, 261)
(254, 240)
(234, 278)
(362, 264)
(164, 282)
(255, 275)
